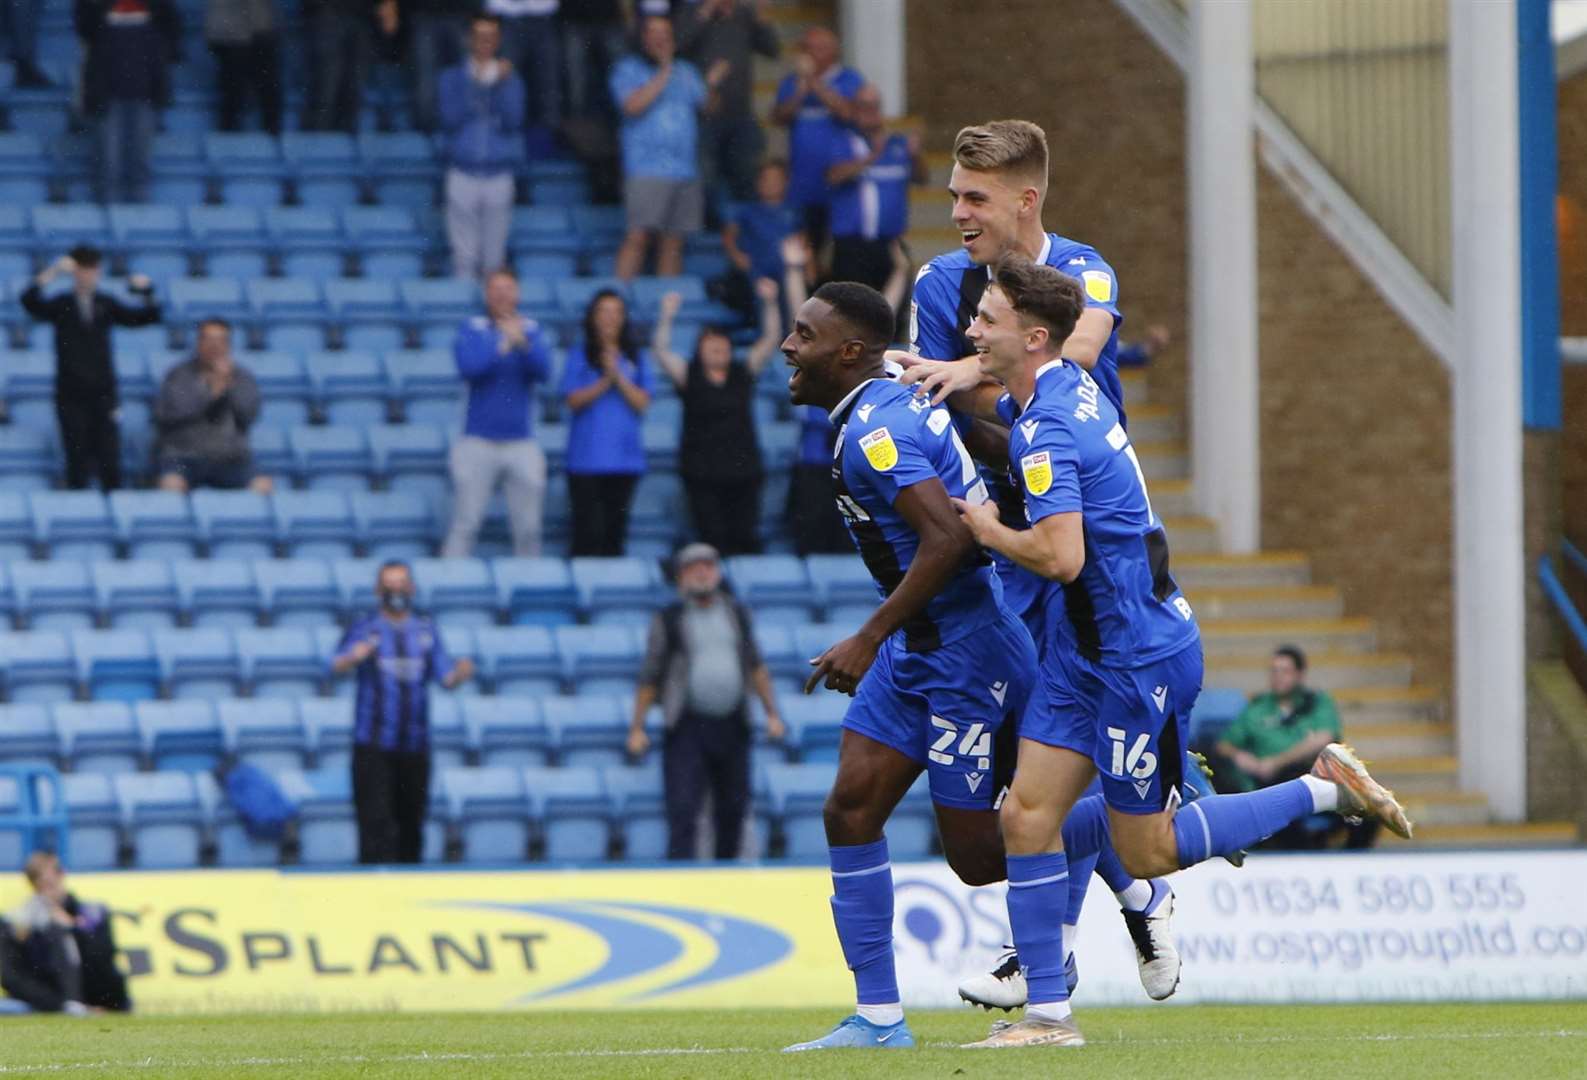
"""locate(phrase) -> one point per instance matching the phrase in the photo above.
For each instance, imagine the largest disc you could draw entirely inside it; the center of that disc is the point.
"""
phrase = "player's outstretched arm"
(1054, 547)
(944, 543)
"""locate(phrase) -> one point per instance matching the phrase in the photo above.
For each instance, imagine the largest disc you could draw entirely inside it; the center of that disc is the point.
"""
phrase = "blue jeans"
(437, 43)
(534, 46)
(126, 134)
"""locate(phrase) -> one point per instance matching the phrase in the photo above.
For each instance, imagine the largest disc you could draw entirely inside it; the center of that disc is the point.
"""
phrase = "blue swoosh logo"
(741, 946)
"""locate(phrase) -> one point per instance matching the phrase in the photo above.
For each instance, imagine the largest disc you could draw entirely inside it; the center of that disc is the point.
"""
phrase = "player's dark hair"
(1018, 147)
(484, 17)
(1041, 295)
(85, 255)
(1296, 656)
(214, 320)
(865, 309)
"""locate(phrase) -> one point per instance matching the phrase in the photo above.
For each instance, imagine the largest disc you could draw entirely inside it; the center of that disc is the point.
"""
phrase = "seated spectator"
(701, 663)
(242, 35)
(1277, 737)
(731, 32)
(482, 117)
(532, 43)
(1140, 353)
(341, 45)
(204, 410)
(660, 99)
(57, 953)
(606, 385)
(502, 356)
(131, 45)
(86, 395)
(869, 173)
(719, 452)
(814, 101)
(753, 234)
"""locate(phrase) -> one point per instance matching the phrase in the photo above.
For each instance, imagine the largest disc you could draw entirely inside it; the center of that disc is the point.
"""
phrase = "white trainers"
(1001, 988)
(1155, 954)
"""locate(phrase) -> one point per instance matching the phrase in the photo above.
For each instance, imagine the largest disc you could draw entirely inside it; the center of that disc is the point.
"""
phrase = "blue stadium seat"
(154, 524)
(136, 593)
(492, 812)
(519, 659)
(775, 587)
(73, 524)
(116, 665)
(324, 167)
(183, 735)
(416, 375)
(359, 300)
(815, 724)
(53, 595)
(460, 592)
(543, 230)
(201, 298)
(284, 387)
(277, 300)
(58, 227)
(630, 588)
(156, 235)
(409, 451)
(1216, 708)
(297, 592)
(197, 663)
(598, 659)
(8, 602)
(328, 727)
(332, 458)
(599, 226)
(218, 593)
(658, 510)
(355, 580)
(272, 454)
(450, 738)
(351, 387)
(574, 294)
(234, 846)
(30, 737)
(308, 239)
(234, 524)
(589, 729)
(778, 650)
(572, 810)
(15, 838)
(383, 229)
(506, 730)
(841, 579)
(25, 451)
(37, 666)
(97, 736)
(315, 524)
(536, 591)
(265, 732)
(216, 228)
(797, 794)
(327, 831)
(660, 441)
(282, 661)
(95, 815)
(440, 298)
(697, 306)
(394, 524)
(636, 793)
(247, 166)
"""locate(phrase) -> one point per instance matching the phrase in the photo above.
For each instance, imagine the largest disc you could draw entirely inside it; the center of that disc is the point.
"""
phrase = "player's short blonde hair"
(1015, 147)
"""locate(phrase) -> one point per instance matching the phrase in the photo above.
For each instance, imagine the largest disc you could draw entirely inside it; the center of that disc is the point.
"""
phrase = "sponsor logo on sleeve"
(880, 450)
(1037, 471)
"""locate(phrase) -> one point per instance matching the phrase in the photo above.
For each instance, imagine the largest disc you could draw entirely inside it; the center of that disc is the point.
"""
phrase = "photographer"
(56, 952)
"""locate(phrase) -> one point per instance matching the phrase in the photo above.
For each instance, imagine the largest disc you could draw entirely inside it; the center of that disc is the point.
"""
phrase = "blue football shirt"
(810, 135)
(875, 204)
(392, 707)
(889, 440)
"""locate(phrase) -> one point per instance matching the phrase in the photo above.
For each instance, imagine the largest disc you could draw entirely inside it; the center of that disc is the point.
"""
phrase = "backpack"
(258, 800)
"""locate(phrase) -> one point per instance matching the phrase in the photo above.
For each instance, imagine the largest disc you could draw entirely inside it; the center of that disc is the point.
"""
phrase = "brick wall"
(1355, 412)
(1113, 110)
(1573, 296)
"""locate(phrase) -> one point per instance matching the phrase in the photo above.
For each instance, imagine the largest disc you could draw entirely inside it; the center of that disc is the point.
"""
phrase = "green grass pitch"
(1221, 1042)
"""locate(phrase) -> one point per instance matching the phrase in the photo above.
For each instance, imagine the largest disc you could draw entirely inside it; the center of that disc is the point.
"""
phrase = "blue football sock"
(862, 909)
(1221, 824)
(1080, 867)
(1112, 871)
(1085, 829)
(1038, 888)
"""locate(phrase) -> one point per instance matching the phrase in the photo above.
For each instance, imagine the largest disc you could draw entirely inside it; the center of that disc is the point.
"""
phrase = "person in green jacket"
(1278, 734)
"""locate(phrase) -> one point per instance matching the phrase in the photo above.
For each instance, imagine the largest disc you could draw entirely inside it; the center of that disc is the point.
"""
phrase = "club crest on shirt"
(1037, 470)
(880, 449)
(1099, 285)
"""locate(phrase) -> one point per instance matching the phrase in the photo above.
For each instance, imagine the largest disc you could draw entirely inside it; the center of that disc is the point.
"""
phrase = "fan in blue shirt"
(814, 101)
(936, 671)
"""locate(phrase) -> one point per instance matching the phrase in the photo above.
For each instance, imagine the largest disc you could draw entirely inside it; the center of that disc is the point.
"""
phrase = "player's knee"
(1027, 826)
(1147, 856)
(977, 868)
(848, 818)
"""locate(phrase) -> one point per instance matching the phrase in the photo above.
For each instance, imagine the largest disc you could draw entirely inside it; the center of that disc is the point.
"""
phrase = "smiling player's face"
(986, 211)
(1000, 340)
(814, 350)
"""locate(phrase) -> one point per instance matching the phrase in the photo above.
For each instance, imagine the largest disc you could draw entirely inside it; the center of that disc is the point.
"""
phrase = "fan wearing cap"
(701, 664)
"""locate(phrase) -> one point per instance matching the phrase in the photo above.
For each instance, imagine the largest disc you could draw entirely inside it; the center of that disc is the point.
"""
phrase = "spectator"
(397, 654)
(341, 45)
(204, 410)
(86, 397)
(813, 102)
(533, 45)
(242, 35)
(606, 385)
(1140, 353)
(753, 235)
(57, 953)
(701, 663)
(482, 117)
(730, 32)
(502, 357)
(19, 19)
(660, 98)
(131, 45)
(436, 29)
(719, 453)
(870, 173)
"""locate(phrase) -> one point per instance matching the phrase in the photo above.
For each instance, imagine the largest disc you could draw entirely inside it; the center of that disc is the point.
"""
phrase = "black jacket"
(129, 56)
(83, 364)
(30, 971)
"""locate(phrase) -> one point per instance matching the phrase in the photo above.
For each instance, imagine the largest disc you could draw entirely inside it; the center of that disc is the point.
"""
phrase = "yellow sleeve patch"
(880, 449)
(1037, 470)
(1099, 285)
